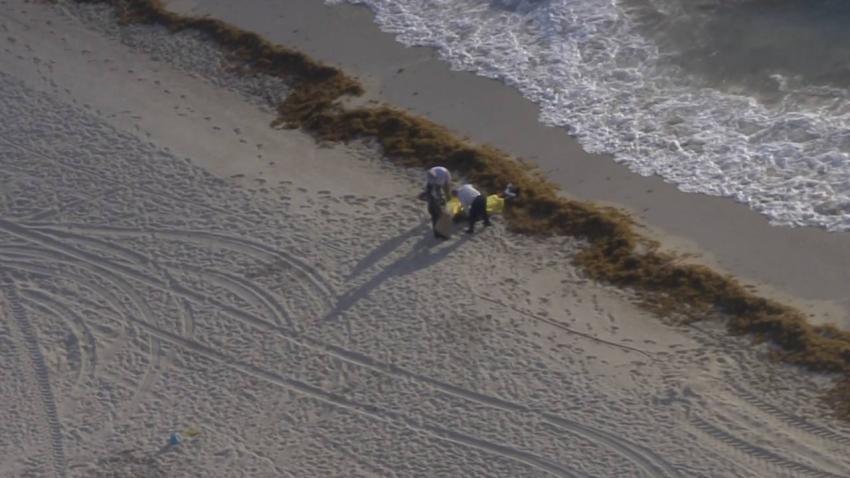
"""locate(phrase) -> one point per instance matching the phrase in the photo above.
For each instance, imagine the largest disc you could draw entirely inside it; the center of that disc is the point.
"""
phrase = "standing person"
(474, 204)
(436, 209)
(438, 182)
(439, 178)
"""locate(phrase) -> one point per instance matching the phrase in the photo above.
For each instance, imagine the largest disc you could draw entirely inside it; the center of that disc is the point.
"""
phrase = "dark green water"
(746, 43)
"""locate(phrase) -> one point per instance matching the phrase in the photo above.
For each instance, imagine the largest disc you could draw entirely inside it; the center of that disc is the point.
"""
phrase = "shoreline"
(189, 272)
(714, 231)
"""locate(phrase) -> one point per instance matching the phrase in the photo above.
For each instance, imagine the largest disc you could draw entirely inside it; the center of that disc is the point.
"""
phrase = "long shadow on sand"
(425, 253)
(386, 248)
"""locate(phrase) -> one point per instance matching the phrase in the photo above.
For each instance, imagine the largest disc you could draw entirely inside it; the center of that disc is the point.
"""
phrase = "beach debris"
(175, 439)
(178, 437)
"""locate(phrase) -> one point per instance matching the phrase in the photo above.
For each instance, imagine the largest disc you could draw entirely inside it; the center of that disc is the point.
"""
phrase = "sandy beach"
(808, 267)
(171, 263)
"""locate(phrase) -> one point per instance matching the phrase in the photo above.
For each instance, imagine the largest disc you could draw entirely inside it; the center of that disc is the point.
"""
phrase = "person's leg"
(434, 212)
(484, 214)
(475, 212)
(434, 209)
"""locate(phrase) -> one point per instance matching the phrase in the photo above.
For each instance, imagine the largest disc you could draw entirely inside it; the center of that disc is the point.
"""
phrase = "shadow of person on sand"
(425, 253)
(386, 248)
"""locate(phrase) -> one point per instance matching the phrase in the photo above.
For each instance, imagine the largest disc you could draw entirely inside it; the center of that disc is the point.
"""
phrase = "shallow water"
(746, 99)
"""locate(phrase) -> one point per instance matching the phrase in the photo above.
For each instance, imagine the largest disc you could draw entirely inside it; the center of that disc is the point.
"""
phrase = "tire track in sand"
(371, 411)
(62, 251)
(258, 297)
(758, 453)
(25, 258)
(651, 464)
(155, 360)
(505, 451)
(40, 300)
(252, 294)
(793, 421)
(39, 370)
(326, 290)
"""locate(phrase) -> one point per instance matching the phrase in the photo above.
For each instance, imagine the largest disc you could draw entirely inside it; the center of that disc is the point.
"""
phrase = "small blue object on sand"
(175, 439)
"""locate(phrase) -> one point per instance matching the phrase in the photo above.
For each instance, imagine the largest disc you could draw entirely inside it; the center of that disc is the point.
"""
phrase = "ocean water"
(748, 99)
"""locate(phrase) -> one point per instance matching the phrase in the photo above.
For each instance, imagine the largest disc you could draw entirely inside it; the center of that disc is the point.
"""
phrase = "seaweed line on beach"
(614, 253)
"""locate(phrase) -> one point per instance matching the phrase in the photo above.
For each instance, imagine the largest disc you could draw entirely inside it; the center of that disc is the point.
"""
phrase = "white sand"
(299, 317)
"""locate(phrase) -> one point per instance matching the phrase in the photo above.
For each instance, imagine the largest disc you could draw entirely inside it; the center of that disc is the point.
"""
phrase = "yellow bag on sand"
(495, 205)
(454, 206)
(443, 226)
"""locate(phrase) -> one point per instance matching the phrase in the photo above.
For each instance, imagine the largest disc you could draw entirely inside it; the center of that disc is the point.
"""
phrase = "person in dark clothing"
(436, 204)
(478, 211)
(475, 205)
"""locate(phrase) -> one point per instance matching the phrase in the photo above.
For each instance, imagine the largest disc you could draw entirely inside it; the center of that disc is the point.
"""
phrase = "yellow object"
(495, 205)
(190, 432)
(454, 206)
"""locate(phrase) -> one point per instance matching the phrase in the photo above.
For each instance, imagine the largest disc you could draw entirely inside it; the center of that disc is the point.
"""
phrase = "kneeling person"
(474, 204)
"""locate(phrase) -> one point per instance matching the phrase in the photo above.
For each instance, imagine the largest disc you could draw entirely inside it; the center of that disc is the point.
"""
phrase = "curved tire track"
(247, 291)
(245, 246)
(152, 371)
(154, 364)
(258, 298)
(114, 271)
(40, 371)
(26, 258)
(652, 464)
(88, 355)
(371, 411)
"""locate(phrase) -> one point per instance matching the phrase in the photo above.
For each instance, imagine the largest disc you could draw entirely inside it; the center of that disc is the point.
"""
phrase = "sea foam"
(590, 70)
